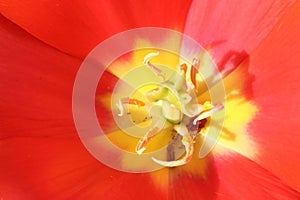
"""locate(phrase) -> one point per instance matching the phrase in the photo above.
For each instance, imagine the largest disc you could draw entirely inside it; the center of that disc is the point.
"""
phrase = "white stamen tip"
(168, 163)
(208, 113)
(196, 62)
(149, 56)
(120, 107)
(139, 152)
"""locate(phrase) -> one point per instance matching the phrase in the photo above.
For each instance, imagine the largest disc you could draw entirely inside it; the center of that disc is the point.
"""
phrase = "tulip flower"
(255, 46)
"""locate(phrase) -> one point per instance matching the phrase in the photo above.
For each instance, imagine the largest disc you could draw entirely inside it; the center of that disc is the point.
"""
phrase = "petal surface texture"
(41, 155)
(276, 70)
(77, 27)
(230, 28)
(247, 180)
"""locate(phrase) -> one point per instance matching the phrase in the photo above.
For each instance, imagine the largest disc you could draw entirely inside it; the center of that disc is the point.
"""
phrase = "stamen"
(184, 68)
(187, 141)
(208, 113)
(128, 100)
(154, 69)
(140, 147)
(194, 71)
(132, 101)
(148, 57)
(174, 99)
(120, 107)
(179, 81)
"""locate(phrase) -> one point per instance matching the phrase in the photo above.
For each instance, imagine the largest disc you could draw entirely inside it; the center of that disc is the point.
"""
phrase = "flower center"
(175, 102)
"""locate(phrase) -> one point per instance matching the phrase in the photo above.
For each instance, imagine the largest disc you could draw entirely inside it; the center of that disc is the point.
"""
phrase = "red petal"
(275, 90)
(76, 27)
(41, 155)
(193, 184)
(43, 168)
(228, 176)
(241, 178)
(36, 86)
(233, 28)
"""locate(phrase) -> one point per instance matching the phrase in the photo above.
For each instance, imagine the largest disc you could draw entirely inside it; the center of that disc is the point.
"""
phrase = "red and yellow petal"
(275, 67)
(239, 112)
(41, 155)
(232, 29)
(77, 27)
(261, 108)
